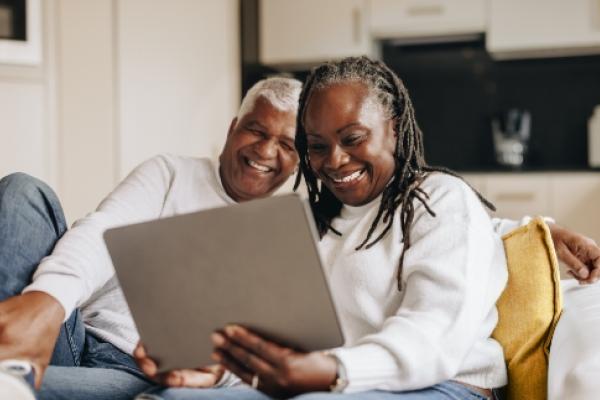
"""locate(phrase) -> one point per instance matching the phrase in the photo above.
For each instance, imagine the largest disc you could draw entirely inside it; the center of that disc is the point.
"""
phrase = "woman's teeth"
(348, 178)
(259, 167)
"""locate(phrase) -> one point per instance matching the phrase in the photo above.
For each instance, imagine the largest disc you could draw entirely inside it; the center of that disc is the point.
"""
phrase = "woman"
(412, 261)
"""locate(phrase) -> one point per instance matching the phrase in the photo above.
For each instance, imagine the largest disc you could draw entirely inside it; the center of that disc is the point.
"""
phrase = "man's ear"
(232, 126)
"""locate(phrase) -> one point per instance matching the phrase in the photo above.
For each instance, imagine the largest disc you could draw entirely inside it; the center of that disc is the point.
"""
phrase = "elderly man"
(72, 314)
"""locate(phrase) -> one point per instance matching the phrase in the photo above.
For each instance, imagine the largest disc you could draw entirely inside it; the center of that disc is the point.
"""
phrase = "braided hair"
(410, 166)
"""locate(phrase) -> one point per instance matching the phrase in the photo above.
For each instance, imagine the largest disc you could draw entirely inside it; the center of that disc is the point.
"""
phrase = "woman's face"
(351, 143)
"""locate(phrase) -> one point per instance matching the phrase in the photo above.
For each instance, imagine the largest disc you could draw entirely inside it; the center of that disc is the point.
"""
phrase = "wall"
(179, 77)
(121, 80)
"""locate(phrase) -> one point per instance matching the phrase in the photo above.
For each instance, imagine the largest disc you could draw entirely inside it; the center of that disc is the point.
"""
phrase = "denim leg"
(78, 383)
(241, 392)
(448, 390)
(31, 221)
(444, 391)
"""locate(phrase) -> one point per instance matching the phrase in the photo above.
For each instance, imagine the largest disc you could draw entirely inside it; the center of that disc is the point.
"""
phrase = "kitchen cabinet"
(399, 19)
(576, 199)
(570, 198)
(530, 28)
(305, 32)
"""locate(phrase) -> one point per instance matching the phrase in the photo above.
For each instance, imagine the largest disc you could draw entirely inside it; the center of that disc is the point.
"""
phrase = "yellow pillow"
(528, 309)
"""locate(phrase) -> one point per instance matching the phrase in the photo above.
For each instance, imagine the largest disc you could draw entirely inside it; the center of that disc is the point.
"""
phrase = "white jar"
(594, 138)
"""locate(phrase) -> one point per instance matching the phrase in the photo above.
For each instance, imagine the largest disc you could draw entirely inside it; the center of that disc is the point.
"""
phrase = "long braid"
(410, 170)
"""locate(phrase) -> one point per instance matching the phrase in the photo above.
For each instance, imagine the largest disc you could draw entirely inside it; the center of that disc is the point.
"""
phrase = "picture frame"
(29, 51)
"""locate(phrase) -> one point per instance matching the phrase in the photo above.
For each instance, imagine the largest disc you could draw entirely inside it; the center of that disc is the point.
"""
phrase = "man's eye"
(287, 146)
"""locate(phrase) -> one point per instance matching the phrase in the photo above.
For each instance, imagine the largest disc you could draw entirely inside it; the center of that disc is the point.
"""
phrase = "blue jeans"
(82, 366)
(444, 391)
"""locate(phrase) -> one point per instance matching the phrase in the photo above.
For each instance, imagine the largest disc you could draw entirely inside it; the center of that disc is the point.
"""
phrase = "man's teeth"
(261, 168)
(348, 178)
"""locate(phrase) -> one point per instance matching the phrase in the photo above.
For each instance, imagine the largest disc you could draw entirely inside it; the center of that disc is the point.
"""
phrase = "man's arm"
(579, 253)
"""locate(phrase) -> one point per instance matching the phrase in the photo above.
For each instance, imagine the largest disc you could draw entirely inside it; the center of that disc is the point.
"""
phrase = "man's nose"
(337, 157)
(266, 149)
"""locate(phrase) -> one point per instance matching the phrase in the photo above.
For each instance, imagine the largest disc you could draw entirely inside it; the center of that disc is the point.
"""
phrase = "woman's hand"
(195, 378)
(581, 254)
(279, 371)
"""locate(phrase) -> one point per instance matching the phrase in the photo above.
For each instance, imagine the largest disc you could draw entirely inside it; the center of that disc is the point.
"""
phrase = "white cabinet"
(570, 198)
(398, 19)
(304, 32)
(576, 200)
(533, 28)
(515, 196)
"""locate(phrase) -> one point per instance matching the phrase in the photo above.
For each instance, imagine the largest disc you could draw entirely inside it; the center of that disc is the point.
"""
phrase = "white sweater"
(438, 327)
(79, 273)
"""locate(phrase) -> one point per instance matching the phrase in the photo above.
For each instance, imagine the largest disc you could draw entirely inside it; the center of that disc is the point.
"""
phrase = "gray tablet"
(254, 264)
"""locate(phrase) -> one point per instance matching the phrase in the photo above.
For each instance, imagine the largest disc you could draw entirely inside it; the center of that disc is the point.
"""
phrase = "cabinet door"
(422, 18)
(309, 31)
(530, 28)
(577, 202)
(518, 195)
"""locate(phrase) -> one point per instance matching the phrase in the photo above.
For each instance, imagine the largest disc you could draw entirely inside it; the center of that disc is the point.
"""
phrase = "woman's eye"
(353, 139)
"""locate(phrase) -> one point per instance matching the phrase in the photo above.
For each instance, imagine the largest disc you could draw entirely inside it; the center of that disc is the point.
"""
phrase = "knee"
(18, 189)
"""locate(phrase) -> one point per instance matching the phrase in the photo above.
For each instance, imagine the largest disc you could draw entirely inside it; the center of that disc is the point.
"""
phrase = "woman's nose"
(337, 158)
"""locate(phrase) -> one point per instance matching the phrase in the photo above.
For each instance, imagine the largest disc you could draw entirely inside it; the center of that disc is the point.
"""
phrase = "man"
(72, 313)
(76, 283)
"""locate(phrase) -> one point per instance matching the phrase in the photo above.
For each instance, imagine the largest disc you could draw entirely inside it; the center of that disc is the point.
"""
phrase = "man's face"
(259, 154)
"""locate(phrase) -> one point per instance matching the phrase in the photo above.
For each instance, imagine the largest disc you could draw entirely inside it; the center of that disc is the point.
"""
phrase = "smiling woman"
(410, 255)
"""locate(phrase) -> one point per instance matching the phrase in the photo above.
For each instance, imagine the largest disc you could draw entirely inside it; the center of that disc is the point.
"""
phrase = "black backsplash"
(456, 89)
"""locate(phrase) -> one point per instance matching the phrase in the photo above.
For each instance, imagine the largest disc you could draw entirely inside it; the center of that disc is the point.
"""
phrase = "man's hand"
(196, 378)
(581, 254)
(278, 371)
(29, 326)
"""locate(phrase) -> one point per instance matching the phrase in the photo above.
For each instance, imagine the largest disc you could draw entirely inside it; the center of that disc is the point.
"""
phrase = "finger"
(578, 269)
(242, 356)
(148, 366)
(189, 378)
(264, 349)
(233, 366)
(140, 351)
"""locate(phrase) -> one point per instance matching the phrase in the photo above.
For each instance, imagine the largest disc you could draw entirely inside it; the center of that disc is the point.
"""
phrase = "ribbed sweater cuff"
(368, 366)
(64, 288)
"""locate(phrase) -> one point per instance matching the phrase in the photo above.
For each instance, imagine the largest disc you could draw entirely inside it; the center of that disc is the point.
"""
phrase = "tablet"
(255, 264)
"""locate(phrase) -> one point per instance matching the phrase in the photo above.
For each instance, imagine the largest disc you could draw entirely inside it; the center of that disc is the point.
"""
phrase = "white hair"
(282, 93)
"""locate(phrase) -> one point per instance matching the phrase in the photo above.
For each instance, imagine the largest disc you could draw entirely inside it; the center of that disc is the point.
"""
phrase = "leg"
(78, 383)
(241, 392)
(448, 390)
(31, 222)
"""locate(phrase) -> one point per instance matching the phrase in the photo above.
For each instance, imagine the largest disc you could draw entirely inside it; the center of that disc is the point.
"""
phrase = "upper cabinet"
(405, 19)
(303, 32)
(533, 28)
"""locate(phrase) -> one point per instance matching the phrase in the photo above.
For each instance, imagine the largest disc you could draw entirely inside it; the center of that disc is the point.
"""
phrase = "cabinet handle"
(517, 196)
(356, 25)
(425, 10)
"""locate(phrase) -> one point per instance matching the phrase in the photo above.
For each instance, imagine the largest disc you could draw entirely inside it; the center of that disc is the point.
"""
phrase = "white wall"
(120, 81)
(179, 77)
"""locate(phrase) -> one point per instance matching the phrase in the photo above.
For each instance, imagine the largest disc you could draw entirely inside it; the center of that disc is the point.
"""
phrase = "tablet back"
(254, 264)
